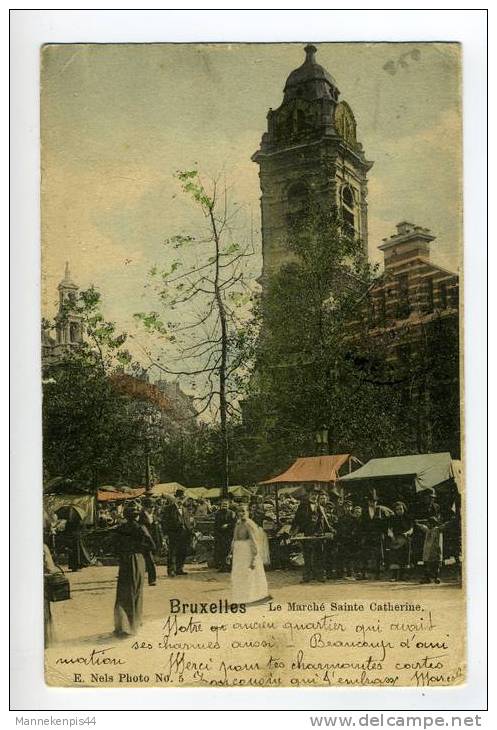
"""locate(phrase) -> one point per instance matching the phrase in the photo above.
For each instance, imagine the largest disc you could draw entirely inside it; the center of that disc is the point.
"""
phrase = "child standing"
(432, 548)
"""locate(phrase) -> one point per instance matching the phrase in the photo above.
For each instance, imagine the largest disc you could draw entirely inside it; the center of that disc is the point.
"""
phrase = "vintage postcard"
(251, 364)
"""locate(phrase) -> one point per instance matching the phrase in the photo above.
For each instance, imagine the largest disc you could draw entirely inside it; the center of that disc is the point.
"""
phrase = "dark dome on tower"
(311, 81)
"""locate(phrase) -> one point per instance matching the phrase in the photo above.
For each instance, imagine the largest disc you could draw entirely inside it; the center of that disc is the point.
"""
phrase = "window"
(73, 332)
(454, 296)
(349, 221)
(298, 202)
(301, 122)
(403, 306)
(348, 206)
(348, 197)
(430, 302)
(382, 307)
(443, 295)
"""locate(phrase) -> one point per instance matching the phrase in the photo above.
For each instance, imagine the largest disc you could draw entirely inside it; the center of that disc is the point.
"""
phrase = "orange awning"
(312, 469)
(108, 496)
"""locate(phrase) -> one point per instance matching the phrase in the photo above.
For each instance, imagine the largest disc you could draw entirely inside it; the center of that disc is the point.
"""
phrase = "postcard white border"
(30, 29)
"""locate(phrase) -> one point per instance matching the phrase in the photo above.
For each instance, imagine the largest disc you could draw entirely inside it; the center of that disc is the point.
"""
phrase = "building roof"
(428, 470)
(312, 469)
(67, 282)
(407, 232)
(309, 71)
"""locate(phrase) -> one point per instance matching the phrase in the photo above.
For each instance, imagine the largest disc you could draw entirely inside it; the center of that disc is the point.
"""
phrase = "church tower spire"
(310, 151)
(68, 324)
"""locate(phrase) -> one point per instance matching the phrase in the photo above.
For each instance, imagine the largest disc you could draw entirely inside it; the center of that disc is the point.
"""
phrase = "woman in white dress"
(248, 578)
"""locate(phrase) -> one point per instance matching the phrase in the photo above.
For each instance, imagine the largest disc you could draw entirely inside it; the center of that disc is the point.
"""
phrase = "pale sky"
(119, 120)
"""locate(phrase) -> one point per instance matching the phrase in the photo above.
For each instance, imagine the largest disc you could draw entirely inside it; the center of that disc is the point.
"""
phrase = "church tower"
(68, 325)
(310, 151)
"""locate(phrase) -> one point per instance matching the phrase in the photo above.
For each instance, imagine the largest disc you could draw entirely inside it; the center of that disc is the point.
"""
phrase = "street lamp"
(322, 440)
(148, 433)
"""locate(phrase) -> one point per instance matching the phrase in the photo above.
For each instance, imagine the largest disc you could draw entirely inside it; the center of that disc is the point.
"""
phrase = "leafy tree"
(91, 433)
(316, 365)
(203, 294)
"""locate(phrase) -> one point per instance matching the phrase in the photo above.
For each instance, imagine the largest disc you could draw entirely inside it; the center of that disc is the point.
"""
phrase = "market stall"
(84, 504)
(412, 479)
(306, 471)
(119, 494)
(323, 471)
(400, 476)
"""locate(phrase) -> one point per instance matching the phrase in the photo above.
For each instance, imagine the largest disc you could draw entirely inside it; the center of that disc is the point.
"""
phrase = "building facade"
(412, 290)
(310, 152)
(412, 316)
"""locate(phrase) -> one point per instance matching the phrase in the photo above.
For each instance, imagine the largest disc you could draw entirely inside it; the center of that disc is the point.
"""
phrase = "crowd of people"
(332, 537)
(345, 539)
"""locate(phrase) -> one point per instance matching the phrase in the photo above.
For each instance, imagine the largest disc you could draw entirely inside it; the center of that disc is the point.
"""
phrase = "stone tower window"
(298, 202)
(298, 193)
(348, 205)
(73, 332)
(348, 197)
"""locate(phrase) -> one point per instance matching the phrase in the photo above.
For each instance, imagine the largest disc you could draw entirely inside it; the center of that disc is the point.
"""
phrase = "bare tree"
(204, 291)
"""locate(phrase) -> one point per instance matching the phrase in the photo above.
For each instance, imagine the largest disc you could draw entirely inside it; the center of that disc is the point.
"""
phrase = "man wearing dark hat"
(224, 525)
(375, 524)
(178, 526)
(147, 519)
(311, 520)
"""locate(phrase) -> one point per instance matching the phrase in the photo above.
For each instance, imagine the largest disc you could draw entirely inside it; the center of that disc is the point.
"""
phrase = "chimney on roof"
(404, 227)
(410, 240)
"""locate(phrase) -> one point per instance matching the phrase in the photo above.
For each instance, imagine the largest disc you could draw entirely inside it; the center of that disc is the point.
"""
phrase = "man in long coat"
(224, 524)
(178, 525)
(310, 519)
(148, 519)
(375, 519)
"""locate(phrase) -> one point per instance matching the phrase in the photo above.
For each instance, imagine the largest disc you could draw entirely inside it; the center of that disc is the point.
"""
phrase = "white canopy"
(427, 470)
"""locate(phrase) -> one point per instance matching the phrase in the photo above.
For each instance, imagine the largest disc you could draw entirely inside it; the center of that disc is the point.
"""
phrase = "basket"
(57, 587)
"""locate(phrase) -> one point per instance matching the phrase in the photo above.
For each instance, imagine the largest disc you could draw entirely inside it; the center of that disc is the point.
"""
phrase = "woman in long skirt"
(48, 568)
(248, 578)
(132, 540)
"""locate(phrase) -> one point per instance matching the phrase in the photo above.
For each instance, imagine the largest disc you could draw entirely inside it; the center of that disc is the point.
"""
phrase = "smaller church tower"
(68, 324)
(310, 152)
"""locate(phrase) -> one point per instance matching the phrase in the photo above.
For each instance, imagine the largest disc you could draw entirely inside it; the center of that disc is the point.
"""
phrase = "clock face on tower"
(345, 123)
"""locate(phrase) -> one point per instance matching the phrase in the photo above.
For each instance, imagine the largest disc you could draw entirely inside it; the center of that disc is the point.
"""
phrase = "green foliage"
(190, 183)
(316, 365)
(91, 433)
(206, 298)
(151, 321)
